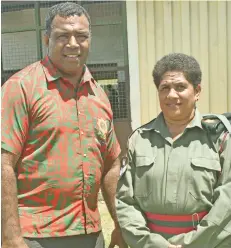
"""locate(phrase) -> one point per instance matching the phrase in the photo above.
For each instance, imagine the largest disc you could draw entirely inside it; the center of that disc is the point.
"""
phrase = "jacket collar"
(160, 126)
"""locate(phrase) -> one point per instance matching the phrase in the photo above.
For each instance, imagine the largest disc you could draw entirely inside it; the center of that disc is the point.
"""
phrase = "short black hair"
(65, 10)
(178, 62)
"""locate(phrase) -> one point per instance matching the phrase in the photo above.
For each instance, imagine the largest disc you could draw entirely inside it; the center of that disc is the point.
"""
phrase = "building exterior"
(128, 38)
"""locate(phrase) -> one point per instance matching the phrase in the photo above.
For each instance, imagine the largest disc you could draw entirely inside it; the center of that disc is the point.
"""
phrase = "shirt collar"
(52, 73)
(196, 121)
(160, 126)
(87, 77)
(50, 70)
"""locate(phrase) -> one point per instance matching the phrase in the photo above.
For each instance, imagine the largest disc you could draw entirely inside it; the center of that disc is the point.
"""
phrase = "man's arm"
(11, 232)
(111, 172)
(109, 185)
(15, 127)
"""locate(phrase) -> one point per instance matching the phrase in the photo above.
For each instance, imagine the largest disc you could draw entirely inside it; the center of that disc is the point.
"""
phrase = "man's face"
(68, 43)
(177, 96)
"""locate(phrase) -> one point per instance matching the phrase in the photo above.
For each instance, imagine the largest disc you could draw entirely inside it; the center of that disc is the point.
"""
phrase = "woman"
(175, 190)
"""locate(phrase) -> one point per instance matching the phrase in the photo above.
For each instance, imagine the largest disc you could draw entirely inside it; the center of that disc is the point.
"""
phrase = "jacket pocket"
(206, 163)
(205, 172)
(143, 185)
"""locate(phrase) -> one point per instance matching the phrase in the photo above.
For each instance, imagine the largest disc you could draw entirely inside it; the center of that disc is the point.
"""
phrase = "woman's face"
(177, 96)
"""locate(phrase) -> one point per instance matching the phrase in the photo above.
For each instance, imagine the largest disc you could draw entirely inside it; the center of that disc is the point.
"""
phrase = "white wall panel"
(198, 28)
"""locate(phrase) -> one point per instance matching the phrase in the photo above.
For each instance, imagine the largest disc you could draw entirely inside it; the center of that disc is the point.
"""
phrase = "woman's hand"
(175, 246)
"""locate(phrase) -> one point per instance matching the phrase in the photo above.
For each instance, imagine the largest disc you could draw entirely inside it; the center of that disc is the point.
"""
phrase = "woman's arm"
(130, 217)
(215, 227)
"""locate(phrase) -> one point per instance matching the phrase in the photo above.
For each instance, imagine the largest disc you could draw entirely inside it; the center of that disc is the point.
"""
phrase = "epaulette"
(140, 127)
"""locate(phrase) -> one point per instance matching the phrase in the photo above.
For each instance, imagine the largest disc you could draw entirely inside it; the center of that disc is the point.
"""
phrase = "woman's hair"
(65, 10)
(178, 62)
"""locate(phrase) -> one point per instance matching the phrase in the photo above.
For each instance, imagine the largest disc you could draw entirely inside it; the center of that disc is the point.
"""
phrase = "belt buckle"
(195, 218)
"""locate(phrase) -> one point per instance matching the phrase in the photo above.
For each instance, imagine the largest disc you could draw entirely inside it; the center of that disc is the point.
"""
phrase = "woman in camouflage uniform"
(175, 190)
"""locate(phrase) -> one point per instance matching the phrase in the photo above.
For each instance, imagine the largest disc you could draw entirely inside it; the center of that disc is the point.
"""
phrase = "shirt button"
(81, 132)
(79, 112)
(85, 155)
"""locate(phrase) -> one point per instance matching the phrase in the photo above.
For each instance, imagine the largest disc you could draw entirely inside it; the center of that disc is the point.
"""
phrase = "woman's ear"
(197, 92)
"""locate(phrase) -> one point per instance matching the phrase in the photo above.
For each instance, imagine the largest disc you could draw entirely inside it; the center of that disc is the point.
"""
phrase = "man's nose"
(73, 42)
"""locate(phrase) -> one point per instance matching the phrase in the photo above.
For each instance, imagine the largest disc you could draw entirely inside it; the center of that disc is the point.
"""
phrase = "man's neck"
(76, 78)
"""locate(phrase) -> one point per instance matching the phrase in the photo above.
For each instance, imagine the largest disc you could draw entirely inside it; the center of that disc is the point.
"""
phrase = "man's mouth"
(72, 55)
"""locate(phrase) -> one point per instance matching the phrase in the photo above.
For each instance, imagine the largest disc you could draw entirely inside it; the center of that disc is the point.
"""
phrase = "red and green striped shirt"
(63, 137)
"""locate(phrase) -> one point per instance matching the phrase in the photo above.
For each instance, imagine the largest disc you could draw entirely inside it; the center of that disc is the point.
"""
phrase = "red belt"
(173, 224)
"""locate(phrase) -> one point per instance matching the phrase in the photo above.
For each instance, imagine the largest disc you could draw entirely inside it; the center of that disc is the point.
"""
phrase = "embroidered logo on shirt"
(102, 128)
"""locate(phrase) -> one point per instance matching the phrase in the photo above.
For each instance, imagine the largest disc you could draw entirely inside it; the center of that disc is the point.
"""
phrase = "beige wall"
(201, 29)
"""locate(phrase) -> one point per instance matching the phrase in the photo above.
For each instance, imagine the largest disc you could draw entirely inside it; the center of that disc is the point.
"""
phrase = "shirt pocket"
(204, 177)
(97, 130)
(101, 129)
(143, 185)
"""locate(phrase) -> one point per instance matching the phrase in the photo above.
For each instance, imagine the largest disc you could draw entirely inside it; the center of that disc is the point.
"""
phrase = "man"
(58, 144)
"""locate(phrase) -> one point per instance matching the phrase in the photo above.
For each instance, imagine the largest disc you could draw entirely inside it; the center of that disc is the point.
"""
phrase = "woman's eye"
(163, 88)
(180, 88)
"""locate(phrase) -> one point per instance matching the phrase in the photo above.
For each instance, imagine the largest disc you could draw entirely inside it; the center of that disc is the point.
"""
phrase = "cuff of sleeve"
(139, 237)
(8, 148)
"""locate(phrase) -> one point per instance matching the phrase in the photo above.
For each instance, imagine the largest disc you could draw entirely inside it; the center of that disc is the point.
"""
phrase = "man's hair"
(178, 62)
(65, 10)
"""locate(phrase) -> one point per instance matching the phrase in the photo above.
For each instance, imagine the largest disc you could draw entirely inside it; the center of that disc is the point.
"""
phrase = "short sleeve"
(14, 114)
(113, 147)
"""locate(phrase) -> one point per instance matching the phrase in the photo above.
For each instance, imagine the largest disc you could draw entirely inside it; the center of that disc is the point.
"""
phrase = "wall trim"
(133, 62)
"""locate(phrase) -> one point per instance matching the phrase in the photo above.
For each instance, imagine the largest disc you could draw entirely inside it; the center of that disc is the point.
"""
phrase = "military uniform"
(175, 192)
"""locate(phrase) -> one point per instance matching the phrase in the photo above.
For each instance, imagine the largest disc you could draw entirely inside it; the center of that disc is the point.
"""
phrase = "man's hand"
(18, 243)
(117, 239)
(175, 246)
(11, 231)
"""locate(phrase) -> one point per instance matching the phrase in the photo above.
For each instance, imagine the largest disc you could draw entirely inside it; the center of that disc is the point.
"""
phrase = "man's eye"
(82, 37)
(63, 36)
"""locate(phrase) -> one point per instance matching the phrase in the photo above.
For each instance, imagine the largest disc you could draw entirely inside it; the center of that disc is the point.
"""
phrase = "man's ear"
(46, 40)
